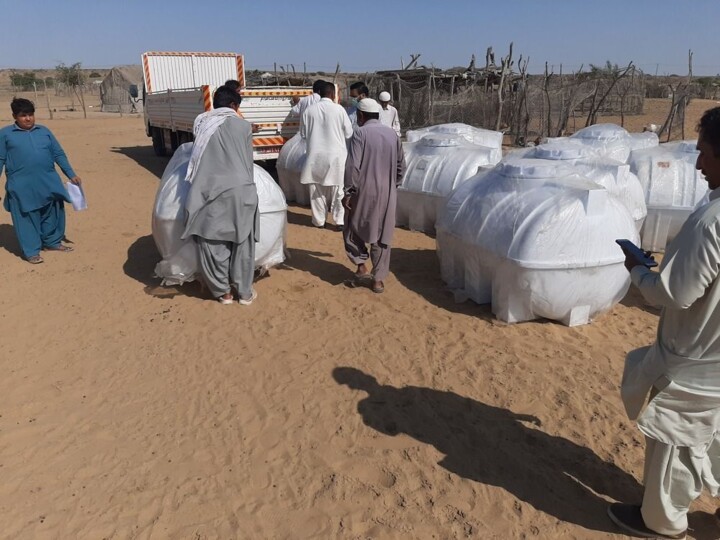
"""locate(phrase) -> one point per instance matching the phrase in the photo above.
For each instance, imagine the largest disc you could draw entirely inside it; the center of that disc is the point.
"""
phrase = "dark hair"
(232, 84)
(327, 90)
(225, 97)
(360, 87)
(318, 86)
(709, 129)
(22, 106)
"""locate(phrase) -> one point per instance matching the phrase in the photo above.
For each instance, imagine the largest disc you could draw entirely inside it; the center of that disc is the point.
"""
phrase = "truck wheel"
(158, 142)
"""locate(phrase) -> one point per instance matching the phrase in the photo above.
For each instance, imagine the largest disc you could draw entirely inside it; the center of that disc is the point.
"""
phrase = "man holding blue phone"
(680, 372)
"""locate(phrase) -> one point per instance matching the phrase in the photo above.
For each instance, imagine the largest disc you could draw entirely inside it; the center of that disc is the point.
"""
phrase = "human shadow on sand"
(315, 263)
(497, 447)
(144, 156)
(419, 271)
(142, 257)
(8, 240)
(634, 299)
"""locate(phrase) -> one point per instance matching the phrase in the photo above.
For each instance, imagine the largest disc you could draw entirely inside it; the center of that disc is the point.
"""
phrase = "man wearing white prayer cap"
(389, 115)
(373, 171)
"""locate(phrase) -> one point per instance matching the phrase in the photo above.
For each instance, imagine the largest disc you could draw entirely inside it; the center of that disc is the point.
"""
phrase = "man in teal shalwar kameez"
(35, 195)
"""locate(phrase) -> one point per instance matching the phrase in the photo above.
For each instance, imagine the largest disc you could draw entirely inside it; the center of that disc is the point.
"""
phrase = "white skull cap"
(369, 105)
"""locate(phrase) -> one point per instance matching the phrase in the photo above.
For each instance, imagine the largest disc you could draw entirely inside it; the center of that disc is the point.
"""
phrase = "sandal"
(249, 300)
(35, 259)
(59, 247)
(226, 299)
(378, 288)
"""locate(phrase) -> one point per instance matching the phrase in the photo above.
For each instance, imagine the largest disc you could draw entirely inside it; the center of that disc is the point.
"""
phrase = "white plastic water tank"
(535, 240)
(289, 165)
(608, 140)
(435, 165)
(614, 176)
(179, 257)
(480, 136)
(672, 186)
(646, 139)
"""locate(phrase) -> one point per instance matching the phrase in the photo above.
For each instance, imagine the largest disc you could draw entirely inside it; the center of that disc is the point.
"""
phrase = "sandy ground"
(317, 412)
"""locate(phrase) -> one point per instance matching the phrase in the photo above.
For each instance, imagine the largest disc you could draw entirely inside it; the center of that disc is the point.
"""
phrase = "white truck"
(179, 86)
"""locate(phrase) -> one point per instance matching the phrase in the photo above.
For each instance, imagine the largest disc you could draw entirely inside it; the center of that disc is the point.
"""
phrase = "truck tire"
(158, 142)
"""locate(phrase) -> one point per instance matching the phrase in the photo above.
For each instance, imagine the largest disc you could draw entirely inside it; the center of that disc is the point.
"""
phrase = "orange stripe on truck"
(269, 141)
(273, 93)
(240, 70)
(207, 98)
(146, 66)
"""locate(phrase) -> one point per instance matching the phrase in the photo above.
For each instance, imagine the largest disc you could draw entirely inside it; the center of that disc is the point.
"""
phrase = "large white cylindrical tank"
(289, 165)
(672, 187)
(614, 176)
(179, 257)
(435, 165)
(479, 136)
(535, 239)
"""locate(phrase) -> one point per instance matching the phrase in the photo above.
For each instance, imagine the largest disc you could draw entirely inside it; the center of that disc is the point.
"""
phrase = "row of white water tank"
(534, 233)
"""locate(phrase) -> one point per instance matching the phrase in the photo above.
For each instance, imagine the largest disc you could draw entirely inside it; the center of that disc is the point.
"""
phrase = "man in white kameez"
(389, 115)
(681, 370)
(326, 127)
(301, 105)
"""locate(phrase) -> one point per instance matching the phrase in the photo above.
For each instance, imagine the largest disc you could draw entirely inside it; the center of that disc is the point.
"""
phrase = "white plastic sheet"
(535, 239)
(179, 257)
(610, 140)
(586, 161)
(289, 165)
(673, 187)
(479, 136)
(435, 165)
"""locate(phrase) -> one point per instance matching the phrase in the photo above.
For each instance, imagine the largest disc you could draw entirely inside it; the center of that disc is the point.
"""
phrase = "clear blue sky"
(366, 35)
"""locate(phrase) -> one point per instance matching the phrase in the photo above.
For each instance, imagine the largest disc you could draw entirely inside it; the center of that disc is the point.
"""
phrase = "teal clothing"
(29, 158)
(40, 228)
(35, 195)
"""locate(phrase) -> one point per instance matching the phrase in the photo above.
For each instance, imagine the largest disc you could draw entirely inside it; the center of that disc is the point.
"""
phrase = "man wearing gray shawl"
(374, 169)
(222, 204)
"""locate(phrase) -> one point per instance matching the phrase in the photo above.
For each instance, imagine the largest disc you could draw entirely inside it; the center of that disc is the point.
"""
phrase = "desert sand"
(128, 411)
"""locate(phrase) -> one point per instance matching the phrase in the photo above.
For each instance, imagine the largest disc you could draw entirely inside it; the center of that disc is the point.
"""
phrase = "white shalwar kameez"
(326, 127)
(681, 372)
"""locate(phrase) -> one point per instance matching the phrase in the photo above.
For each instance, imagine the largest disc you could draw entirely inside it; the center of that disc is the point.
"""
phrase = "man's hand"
(76, 180)
(631, 261)
(295, 100)
(346, 203)
(255, 128)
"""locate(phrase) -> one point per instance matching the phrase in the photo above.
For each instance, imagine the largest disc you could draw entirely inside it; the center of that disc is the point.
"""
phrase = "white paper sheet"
(77, 196)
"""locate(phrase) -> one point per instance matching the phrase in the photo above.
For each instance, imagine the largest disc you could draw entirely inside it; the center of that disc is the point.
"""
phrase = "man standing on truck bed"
(222, 204)
(326, 127)
(300, 105)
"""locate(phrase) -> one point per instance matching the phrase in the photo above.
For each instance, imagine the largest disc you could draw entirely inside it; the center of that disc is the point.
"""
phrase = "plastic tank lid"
(562, 151)
(530, 168)
(440, 141)
(602, 132)
(452, 128)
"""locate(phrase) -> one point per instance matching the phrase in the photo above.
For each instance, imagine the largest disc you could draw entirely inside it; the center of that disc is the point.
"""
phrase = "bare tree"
(505, 69)
(616, 74)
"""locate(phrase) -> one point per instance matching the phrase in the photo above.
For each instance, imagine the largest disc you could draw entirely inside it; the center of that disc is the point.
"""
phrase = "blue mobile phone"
(639, 254)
